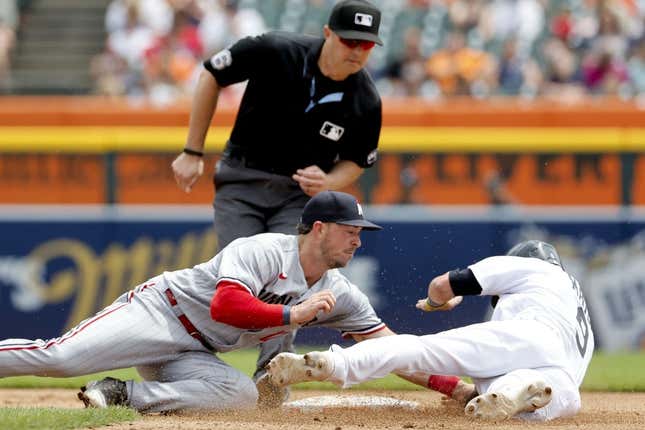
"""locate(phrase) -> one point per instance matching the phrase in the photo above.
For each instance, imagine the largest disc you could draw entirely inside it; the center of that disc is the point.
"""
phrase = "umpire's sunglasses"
(353, 43)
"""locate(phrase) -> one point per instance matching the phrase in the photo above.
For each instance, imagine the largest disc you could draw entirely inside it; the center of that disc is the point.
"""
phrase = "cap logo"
(371, 157)
(363, 19)
(332, 131)
(222, 59)
(360, 208)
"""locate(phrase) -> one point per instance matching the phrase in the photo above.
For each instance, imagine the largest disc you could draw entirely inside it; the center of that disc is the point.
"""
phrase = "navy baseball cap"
(336, 207)
(356, 19)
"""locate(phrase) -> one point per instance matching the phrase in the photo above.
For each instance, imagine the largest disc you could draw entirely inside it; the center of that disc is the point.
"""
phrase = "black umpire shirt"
(291, 116)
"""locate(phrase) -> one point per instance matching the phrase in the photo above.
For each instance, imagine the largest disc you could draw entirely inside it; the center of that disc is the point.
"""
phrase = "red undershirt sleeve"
(443, 384)
(234, 305)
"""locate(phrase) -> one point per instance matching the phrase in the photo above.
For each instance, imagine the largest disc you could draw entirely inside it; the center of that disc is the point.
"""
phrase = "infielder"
(309, 121)
(528, 361)
(256, 289)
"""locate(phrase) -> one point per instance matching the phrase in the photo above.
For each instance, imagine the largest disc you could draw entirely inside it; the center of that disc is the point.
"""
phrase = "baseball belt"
(190, 328)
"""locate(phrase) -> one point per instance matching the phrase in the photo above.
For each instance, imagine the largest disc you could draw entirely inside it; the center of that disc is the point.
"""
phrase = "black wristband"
(464, 283)
(193, 152)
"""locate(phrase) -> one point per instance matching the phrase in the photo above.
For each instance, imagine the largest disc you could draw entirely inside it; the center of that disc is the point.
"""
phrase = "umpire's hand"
(307, 310)
(187, 169)
(312, 180)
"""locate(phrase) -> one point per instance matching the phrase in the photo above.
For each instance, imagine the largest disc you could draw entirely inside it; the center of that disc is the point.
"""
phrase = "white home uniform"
(539, 329)
(148, 327)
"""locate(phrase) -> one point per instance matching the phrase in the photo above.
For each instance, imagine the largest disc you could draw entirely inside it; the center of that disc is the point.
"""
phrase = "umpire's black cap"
(336, 207)
(356, 19)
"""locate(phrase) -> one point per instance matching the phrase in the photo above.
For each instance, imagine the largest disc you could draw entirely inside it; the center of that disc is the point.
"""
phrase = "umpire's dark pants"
(248, 202)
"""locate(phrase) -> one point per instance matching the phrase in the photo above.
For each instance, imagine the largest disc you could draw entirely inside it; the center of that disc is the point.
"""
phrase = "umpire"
(309, 121)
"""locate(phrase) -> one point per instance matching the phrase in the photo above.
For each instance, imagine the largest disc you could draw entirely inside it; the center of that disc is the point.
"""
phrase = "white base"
(313, 404)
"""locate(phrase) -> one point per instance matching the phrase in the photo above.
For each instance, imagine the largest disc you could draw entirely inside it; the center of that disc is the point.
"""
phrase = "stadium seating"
(59, 37)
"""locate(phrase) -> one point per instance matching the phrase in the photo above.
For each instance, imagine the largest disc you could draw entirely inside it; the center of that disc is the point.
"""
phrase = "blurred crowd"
(9, 19)
(433, 48)
(560, 48)
(154, 48)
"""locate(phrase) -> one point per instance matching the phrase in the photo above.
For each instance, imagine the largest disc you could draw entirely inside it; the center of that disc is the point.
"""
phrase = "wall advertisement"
(59, 267)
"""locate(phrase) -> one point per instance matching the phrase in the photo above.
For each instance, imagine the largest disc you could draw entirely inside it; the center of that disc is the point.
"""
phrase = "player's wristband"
(286, 315)
(433, 304)
(193, 152)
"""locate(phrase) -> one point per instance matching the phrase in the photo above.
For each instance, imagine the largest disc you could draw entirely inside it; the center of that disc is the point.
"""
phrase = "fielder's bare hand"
(307, 310)
(423, 305)
(312, 180)
(187, 169)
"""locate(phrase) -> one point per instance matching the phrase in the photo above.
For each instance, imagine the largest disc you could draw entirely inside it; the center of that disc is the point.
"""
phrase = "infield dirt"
(600, 411)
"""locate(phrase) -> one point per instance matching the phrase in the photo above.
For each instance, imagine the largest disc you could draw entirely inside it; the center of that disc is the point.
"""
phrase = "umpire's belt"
(190, 328)
(238, 157)
(241, 161)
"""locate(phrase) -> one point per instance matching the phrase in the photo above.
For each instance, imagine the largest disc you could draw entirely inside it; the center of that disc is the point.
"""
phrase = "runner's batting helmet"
(537, 249)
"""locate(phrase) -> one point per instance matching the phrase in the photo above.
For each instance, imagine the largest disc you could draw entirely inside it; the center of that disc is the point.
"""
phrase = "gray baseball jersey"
(142, 329)
(268, 266)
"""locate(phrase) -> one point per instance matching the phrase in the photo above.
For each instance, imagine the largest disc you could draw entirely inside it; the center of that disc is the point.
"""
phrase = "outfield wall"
(422, 178)
(59, 265)
(86, 150)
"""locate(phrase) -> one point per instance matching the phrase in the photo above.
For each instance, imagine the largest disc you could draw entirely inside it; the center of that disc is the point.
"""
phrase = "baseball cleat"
(288, 368)
(501, 406)
(104, 393)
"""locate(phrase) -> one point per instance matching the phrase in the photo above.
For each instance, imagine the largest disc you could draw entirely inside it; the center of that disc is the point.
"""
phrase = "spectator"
(465, 15)
(155, 15)
(518, 74)
(8, 25)
(636, 68)
(407, 74)
(460, 70)
(171, 64)
(585, 25)
(561, 77)
(610, 38)
(132, 41)
(109, 72)
(522, 19)
(603, 73)
(562, 24)
(225, 22)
